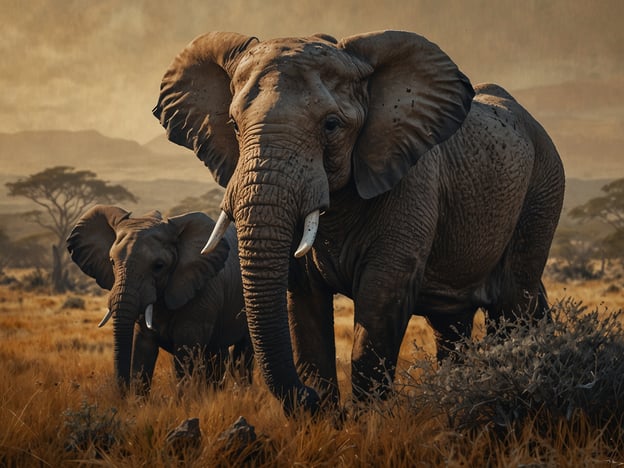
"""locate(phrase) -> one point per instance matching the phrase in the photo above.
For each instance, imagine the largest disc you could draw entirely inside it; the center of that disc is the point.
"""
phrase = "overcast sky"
(97, 64)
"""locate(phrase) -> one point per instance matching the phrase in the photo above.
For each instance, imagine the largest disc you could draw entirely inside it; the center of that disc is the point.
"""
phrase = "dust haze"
(76, 64)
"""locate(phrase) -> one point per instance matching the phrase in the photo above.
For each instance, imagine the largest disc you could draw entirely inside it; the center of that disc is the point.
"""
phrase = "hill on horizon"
(112, 159)
(584, 118)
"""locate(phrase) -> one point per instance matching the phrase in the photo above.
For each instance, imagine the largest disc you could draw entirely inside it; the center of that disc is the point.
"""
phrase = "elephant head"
(285, 123)
(141, 261)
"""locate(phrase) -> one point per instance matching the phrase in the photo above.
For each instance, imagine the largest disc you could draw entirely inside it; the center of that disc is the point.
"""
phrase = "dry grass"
(57, 368)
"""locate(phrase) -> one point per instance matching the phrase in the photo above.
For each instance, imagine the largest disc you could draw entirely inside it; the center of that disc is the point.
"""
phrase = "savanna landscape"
(60, 404)
(83, 82)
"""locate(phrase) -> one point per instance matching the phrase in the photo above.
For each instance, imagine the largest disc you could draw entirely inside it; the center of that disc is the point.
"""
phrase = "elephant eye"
(158, 266)
(234, 125)
(332, 123)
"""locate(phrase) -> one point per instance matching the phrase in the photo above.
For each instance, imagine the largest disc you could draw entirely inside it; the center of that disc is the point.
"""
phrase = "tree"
(607, 209)
(575, 252)
(63, 194)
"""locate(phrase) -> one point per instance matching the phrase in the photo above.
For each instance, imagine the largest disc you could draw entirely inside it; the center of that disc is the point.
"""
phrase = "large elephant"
(437, 198)
(185, 303)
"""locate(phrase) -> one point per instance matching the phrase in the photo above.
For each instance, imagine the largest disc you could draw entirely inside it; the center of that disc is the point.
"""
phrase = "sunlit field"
(59, 405)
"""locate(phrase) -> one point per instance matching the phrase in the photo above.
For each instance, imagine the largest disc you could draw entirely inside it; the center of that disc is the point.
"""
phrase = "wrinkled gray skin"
(434, 203)
(150, 260)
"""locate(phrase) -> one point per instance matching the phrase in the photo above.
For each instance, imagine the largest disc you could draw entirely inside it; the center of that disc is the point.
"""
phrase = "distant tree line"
(62, 194)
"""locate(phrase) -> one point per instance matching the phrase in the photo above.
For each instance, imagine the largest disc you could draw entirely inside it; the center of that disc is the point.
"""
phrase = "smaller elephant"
(163, 293)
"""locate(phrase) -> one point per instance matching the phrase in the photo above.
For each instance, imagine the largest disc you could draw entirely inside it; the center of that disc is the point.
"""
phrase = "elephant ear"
(193, 269)
(90, 241)
(195, 99)
(417, 99)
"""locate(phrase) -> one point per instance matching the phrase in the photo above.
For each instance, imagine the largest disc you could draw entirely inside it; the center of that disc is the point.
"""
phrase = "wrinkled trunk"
(264, 251)
(269, 196)
(124, 310)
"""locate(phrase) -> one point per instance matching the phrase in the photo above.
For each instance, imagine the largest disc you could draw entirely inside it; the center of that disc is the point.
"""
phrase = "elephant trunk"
(264, 275)
(124, 312)
(265, 226)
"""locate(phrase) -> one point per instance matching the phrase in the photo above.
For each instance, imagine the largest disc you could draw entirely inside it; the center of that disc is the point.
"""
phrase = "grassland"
(56, 390)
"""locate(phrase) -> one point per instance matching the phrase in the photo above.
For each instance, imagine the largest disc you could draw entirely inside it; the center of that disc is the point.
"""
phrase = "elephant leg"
(521, 289)
(381, 318)
(144, 357)
(450, 328)
(311, 321)
(196, 362)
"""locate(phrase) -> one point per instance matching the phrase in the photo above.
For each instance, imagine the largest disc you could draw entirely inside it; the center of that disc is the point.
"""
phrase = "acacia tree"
(609, 209)
(63, 195)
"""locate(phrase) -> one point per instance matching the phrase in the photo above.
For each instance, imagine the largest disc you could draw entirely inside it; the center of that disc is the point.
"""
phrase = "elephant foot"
(304, 398)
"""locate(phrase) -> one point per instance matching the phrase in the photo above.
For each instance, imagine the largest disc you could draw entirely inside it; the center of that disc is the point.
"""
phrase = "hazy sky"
(97, 64)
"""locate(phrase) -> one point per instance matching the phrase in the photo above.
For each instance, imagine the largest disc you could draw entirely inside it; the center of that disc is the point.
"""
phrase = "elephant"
(163, 293)
(412, 192)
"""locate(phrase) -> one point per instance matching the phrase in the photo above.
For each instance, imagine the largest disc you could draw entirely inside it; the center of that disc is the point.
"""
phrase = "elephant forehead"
(293, 57)
(140, 224)
(279, 76)
(144, 233)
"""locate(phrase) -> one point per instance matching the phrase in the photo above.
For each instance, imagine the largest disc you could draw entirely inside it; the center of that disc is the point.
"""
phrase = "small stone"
(184, 437)
(238, 438)
(240, 433)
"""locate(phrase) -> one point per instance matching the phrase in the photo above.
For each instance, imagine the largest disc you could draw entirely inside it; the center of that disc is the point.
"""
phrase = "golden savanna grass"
(56, 362)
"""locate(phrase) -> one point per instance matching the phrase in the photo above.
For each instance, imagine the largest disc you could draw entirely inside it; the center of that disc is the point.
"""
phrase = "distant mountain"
(584, 118)
(161, 174)
(112, 159)
(162, 145)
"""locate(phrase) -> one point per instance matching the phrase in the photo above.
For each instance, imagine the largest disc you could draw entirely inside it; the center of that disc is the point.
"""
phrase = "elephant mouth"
(148, 316)
(310, 228)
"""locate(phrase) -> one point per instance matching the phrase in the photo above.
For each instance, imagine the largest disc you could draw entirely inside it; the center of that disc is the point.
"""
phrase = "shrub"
(569, 364)
(36, 280)
(89, 429)
(577, 267)
(7, 279)
(73, 302)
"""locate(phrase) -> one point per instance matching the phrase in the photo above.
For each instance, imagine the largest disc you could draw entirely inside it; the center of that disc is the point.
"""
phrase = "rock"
(239, 437)
(184, 438)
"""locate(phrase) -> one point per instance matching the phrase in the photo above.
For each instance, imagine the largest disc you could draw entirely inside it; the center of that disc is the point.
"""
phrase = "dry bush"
(571, 363)
(90, 428)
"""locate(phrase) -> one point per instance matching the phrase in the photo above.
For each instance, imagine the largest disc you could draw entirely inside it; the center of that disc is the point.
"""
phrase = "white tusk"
(149, 316)
(217, 233)
(106, 318)
(310, 227)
